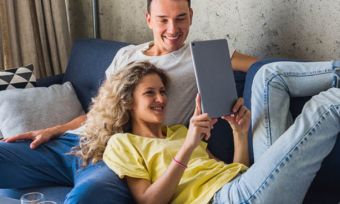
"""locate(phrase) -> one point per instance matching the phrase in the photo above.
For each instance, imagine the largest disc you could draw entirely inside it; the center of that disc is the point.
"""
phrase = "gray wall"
(304, 29)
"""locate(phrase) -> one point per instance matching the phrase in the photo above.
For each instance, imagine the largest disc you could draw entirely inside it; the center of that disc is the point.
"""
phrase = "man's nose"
(172, 27)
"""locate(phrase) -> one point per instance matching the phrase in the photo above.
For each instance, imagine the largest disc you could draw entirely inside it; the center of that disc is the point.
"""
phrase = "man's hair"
(149, 4)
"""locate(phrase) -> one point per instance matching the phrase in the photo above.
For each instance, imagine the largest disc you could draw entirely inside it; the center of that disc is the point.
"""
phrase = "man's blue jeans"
(287, 155)
(49, 164)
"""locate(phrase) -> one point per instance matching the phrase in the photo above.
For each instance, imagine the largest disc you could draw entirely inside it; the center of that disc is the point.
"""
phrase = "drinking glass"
(32, 198)
(47, 202)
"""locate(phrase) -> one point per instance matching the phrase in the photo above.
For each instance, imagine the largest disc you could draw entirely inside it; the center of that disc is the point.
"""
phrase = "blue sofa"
(86, 71)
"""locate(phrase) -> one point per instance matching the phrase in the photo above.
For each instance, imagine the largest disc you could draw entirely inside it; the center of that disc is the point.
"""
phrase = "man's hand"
(38, 137)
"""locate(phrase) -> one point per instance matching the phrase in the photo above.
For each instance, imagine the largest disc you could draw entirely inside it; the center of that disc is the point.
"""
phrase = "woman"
(171, 164)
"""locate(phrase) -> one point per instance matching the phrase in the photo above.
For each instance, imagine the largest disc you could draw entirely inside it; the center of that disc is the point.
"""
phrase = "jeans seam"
(289, 155)
(269, 141)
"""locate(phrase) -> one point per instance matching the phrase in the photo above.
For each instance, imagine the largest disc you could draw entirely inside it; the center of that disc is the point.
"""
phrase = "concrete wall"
(303, 29)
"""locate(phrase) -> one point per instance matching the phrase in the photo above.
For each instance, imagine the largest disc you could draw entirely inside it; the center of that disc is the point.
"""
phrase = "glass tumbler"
(32, 198)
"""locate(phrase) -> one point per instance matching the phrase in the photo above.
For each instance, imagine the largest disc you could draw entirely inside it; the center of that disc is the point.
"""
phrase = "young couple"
(163, 164)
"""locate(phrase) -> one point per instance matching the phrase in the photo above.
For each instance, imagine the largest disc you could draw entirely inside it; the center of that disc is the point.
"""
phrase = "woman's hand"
(240, 119)
(239, 122)
(200, 126)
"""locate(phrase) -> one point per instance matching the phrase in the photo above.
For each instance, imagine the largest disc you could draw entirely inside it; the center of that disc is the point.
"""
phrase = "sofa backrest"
(87, 64)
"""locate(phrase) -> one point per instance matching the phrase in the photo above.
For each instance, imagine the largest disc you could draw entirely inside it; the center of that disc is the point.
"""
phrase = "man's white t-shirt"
(178, 65)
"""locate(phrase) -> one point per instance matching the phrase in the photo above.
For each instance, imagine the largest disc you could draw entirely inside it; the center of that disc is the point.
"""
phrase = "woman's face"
(149, 100)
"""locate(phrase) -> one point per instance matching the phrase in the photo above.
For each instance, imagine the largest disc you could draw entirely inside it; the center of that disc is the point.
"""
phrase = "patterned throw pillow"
(21, 77)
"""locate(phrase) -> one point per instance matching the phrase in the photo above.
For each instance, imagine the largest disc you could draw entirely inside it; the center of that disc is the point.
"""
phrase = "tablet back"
(214, 76)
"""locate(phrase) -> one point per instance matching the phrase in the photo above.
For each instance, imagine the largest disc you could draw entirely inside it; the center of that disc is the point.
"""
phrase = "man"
(170, 21)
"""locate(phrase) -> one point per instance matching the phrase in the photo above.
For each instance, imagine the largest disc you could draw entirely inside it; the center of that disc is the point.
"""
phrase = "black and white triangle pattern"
(21, 77)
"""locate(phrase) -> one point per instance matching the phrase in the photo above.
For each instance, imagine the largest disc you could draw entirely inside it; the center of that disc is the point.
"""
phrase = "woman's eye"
(149, 92)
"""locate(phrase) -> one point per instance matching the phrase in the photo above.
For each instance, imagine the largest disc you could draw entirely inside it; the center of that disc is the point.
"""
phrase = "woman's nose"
(161, 98)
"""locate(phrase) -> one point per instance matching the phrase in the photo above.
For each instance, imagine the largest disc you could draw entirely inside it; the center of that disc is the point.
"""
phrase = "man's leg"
(284, 172)
(272, 88)
(98, 184)
(22, 167)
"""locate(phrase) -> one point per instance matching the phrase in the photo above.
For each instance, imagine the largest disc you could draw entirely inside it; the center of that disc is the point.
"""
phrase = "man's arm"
(44, 135)
(242, 62)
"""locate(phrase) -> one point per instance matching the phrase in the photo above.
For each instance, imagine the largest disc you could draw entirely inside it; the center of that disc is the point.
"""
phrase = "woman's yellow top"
(148, 158)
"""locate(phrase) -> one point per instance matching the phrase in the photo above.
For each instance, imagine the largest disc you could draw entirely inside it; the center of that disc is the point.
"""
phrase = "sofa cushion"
(86, 68)
(20, 77)
(24, 110)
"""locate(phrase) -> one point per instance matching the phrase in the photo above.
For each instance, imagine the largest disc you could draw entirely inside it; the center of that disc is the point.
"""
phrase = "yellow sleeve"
(124, 159)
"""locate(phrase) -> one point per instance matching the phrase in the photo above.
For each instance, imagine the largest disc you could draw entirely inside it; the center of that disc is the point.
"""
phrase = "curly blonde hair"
(110, 110)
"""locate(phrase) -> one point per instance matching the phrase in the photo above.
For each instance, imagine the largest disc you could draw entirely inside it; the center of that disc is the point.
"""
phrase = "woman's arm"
(241, 153)
(162, 190)
(240, 122)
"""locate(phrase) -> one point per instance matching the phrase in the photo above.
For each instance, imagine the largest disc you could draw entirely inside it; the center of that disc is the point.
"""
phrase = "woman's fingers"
(201, 117)
(241, 113)
(203, 124)
(239, 103)
(204, 118)
(204, 133)
(198, 110)
(238, 118)
(202, 129)
(213, 122)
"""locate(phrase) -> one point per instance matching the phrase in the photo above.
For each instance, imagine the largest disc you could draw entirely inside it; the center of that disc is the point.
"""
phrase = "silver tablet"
(214, 76)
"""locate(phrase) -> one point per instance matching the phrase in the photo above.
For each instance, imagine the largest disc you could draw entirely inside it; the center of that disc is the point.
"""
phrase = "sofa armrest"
(47, 81)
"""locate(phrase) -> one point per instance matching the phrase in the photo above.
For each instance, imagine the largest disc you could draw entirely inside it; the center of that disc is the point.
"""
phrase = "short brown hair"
(149, 4)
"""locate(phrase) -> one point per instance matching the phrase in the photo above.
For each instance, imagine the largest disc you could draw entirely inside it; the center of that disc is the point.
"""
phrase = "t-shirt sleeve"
(118, 61)
(124, 159)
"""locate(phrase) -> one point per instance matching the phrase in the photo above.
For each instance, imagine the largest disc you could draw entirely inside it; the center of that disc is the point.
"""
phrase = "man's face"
(170, 21)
